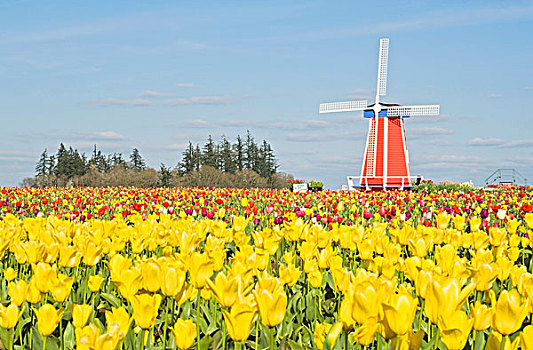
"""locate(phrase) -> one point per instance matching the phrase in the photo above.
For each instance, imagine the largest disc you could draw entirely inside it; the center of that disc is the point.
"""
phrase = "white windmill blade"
(382, 67)
(348, 106)
(413, 111)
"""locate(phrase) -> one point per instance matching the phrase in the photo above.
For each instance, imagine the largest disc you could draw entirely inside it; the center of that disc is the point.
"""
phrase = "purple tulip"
(484, 213)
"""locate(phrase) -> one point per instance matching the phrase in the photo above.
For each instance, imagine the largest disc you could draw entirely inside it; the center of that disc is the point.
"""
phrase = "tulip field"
(134, 268)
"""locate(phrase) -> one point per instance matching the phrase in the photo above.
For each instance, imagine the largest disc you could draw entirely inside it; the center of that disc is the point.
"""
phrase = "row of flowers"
(457, 273)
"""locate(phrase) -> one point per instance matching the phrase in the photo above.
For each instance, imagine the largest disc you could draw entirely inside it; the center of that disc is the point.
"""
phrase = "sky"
(156, 75)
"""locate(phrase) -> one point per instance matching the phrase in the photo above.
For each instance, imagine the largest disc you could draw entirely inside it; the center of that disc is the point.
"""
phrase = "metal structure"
(386, 159)
(506, 176)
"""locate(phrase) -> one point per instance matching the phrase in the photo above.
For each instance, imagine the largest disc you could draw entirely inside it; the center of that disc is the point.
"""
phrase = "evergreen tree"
(62, 166)
(226, 156)
(197, 157)
(40, 167)
(209, 154)
(117, 160)
(188, 162)
(250, 152)
(238, 151)
(50, 165)
(165, 176)
(137, 160)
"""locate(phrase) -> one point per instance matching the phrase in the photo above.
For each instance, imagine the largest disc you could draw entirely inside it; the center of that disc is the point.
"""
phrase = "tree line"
(245, 163)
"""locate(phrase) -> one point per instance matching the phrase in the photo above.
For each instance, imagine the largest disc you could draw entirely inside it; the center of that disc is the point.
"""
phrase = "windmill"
(386, 159)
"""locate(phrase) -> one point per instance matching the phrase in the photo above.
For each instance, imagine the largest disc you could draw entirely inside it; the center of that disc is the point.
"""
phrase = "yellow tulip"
(145, 309)
(495, 342)
(129, 282)
(62, 287)
(118, 322)
(47, 319)
(94, 283)
(33, 296)
(508, 312)
(117, 265)
(399, 312)
(459, 222)
(364, 334)
(528, 218)
(482, 316)
(512, 226)
(289, 274)
(271, 300)
(173, 279)
(366, 301)
(200, 268)
(69, 256)
(226, 288)
(10, 274)
(442, 220)
(345, 314)
(9, 316)
(484, 275)
(475, 222)
(420, 246)
(91, 253)
(497, 236)
(455, 329)
(184, 332)
(86, 337)
(444, 296)
(18, 292)
(150, 271)
(240, 318)
(81, 314)
(44, 276)
(526, 338)
(321, 332)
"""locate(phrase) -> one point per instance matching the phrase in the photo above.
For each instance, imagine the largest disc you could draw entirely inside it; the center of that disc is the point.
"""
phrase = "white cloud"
(323, 137)
(495, 96)
(121, 102)
(102, 135)
(151, 93)
(207, 100)
(186, 85)
(478, 141)
(528, 88)
(202, 100)
(285, 125)
(518, 143)
(195, 123)
(430, 131)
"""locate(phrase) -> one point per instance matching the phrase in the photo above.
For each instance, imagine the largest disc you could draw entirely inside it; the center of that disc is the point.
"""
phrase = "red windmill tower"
(386, 159)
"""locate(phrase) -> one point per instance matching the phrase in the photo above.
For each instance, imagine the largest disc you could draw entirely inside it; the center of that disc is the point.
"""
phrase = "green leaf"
(294, 345)
(113, 300)
(69, 337)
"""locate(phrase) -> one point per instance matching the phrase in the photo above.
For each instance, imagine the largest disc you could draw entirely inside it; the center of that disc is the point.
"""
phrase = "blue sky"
(154, 75)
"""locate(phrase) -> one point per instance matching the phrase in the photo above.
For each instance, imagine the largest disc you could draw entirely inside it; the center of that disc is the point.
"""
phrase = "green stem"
(198, 296)
(272, 341)
(238, 345)
(345, 340)
(165, 326)
(60, 334)
(397, 342)
(257, 334)
(224, 336)
(502, 344)
(44, 343)
(21, 339)
(436, 339)
(474, 341)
